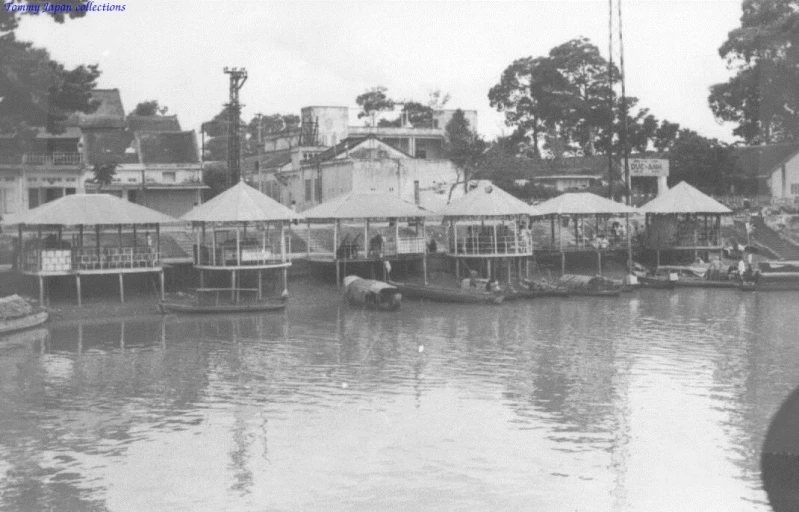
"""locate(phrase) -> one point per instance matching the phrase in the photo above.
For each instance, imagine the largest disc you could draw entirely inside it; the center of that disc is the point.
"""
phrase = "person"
(473, 279)
(387, 268)
(741, 268)
(293, 205)
(432, 246)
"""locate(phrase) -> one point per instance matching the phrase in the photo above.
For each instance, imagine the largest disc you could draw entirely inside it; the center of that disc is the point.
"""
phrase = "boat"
(372, 294)
(776, 276)
(210, 300)
(593, 286)
(17, 314)
(657, 281)
(531, 289)
(448, 294)
(699, 277)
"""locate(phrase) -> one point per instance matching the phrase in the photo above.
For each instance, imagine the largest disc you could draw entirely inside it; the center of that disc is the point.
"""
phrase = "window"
(794, 188)
(421, 153)
(69, 191)
(318, 189)
(308, 190)
(33, 198)
(6, 200)
(168, 176)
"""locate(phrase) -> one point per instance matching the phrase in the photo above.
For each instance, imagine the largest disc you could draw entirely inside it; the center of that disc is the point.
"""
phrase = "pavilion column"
(233, 285)
(260, 285)
(213, 246)
(97, 235)
(238, 248)
(308, 243)
(41, 290)
(285, 281)
(122, 287)
(161, 278)
(157, 260)
(366, 240)
(77, 286)
(335, 252)
(202, 279)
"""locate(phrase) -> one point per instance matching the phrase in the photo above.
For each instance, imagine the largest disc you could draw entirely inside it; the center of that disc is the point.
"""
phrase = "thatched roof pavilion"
(116, 247)
(230, 246)
(489, 224)
(374, 216)
(581, 222)
(683, 218)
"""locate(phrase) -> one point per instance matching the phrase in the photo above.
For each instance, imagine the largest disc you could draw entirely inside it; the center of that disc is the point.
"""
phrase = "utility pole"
(610, 100)
(624, 115)
(259, 116)
(237, 78)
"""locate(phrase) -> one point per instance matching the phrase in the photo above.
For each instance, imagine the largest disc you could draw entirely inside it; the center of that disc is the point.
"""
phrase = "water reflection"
(644, 402)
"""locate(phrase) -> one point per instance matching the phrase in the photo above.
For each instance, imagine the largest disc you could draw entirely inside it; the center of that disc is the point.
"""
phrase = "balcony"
(43, 159)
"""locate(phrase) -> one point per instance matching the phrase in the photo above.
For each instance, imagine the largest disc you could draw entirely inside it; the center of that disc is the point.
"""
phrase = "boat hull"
(25, 322)
(654, 282)
(190, 308)
(441, 294)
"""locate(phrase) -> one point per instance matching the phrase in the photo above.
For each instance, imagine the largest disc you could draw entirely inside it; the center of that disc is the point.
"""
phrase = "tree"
(104, 174)
(38, 91)
(702, 162)
(149, 108)
(463, 147)
(215, 176)
(373, 101)
(762, 98)
(9, 19)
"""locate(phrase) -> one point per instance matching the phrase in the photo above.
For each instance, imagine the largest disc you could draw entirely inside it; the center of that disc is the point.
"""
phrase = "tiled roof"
(153, 123)
(341, 147)
(241, 203)
(487, 201)
(90, 209)
(110, 146)
(581, 203)
(276, 160)
(683, 198)
(168, 147)
(109, 114)
(761, 161)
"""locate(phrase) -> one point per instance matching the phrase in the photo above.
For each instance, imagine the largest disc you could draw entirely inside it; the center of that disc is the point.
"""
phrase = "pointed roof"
(683, 198)
(582, 203)
(89, 209)
(365, 206)
(241, 203)
(487, 200)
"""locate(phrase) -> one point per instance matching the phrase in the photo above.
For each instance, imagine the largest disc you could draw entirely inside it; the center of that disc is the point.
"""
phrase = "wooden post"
(599, 261)
(238, 248)
(198, 251)
(488, 269)
(41, 290)
(233, 285)
(285, 281)
(366, 240)
(77, 285)
(335, 240)
(457, 268)
(97, 234)
(396, 236)
(122, 288)
(260, 286)
(122, 334)
(562, 262)
(496, 247)
(161, 278)
(338, 273)
(283, 242)
(202, 279)
(424, 254)
(157, 259)
(308, 243)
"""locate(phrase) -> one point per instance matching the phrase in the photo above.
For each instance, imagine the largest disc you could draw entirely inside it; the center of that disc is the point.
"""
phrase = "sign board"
(649, 167)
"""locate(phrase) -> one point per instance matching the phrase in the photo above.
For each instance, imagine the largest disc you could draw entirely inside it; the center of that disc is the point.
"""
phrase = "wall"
(783, 190)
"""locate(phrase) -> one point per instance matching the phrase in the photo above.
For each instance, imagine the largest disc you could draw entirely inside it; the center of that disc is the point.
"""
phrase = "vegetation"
(149, 108)
(464, 148)
(104, 174)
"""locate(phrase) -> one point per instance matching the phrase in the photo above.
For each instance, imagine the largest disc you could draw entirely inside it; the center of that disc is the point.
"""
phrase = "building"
(327, 157)
(158, 165)
(771, 170)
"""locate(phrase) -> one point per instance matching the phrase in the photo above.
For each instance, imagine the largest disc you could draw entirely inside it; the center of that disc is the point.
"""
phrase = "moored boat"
(776, 276)
(447, 294)
(593, 286)
(210, 300)
(17, 314)
(699, 277)
(372, 294)
(659, 282)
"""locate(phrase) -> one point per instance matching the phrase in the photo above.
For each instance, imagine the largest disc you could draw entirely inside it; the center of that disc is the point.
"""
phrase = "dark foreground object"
(444, 294)
(372, 294)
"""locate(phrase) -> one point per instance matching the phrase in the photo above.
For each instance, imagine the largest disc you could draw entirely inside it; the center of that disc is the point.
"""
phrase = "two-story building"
(327, 157)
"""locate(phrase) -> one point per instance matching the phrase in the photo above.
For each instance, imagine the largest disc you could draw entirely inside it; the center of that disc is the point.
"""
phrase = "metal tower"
(237, 78)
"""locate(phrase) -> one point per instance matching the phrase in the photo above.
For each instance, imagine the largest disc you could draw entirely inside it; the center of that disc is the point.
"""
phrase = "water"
(652, 401)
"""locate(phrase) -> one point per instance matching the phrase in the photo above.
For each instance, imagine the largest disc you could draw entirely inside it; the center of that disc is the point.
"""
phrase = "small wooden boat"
(17, 314)
(699, 277)
(776, 276)
(447, 294)
(529, 289)
(372, 294)
(659, 282)
(215, 300)
(592, 286)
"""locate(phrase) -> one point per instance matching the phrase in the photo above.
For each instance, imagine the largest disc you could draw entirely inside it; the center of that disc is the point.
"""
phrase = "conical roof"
(487, 201)
(582, 203)
(683, 198)
(356, 205)
(241, 203)
(89, 209)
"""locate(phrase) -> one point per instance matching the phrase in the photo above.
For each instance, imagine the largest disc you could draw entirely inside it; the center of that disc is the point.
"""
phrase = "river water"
(652, 401)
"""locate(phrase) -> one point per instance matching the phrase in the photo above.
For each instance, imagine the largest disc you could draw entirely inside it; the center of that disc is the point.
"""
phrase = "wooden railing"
(488, 246)
(88, 258)
(250, 254)
(58, 158)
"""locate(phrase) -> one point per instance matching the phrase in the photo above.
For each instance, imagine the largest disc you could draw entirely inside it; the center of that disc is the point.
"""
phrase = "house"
(327, 157)
(148, 150)
(771, 170)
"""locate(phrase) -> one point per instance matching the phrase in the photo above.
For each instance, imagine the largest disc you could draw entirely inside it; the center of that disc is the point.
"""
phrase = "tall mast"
(624, 114)
(237, 78)
(610, 99)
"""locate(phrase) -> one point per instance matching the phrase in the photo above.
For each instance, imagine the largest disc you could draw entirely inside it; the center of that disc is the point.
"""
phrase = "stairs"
(764, 235)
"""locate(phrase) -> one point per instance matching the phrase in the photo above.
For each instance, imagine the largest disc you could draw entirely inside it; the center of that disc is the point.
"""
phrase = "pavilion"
(242, 230)
(583, 222)
(357, 228)
(89, 234)
(683, 218)
(489, 225)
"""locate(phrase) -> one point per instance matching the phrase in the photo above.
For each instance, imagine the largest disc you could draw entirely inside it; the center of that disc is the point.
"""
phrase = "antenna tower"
(237, 78)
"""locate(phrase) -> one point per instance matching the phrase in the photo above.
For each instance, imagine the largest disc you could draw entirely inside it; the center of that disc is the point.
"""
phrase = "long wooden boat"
(595, 286)
(659, 282)
(372, 294)
(698, 277)
(9, 325)
(529, 289)
(209, 301)
(777, 276)
(446, 294)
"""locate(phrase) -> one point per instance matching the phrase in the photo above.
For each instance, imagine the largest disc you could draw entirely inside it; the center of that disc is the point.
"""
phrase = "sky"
(300, 53)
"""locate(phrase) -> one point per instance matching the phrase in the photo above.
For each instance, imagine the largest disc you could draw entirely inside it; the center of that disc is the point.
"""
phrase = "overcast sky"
(301, 53)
